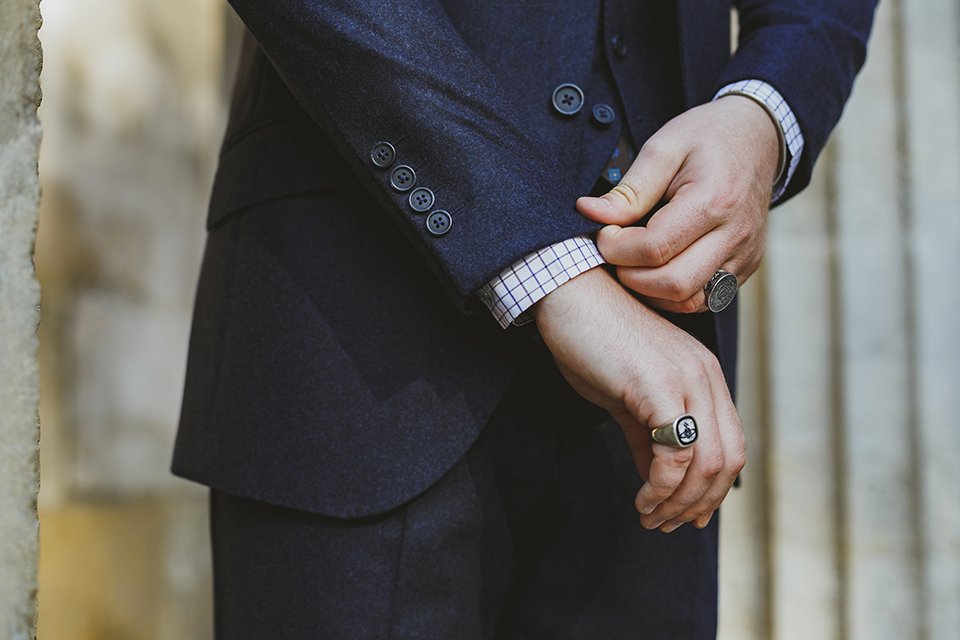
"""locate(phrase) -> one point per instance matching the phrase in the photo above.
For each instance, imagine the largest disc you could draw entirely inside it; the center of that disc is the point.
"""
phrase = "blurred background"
(848, 522)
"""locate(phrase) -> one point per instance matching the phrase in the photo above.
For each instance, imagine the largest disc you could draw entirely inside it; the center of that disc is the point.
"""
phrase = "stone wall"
(19, 297)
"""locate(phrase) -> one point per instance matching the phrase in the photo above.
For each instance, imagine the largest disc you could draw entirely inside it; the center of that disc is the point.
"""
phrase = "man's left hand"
(715, 166)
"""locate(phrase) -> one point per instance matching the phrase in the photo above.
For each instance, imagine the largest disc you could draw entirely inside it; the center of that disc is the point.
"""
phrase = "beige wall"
(133, 111)
(848, 523)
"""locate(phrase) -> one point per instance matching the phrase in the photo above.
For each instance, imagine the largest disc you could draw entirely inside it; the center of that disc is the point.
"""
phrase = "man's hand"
(623, 357)
(715, 166)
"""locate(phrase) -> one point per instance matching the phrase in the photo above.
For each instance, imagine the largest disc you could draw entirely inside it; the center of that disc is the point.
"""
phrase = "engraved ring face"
(721, 290)
(686, 431)
(680, 433)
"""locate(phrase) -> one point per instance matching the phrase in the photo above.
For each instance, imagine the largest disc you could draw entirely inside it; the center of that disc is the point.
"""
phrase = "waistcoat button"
(603, 114)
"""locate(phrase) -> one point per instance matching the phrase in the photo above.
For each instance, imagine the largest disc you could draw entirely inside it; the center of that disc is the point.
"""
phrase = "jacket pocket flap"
(280, 158)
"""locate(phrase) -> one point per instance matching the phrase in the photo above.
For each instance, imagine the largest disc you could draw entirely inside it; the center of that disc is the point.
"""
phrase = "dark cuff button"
(619, 46)
(403, 177)
(567, 99)
(439, 222)
(421, 199)
(603, 114)
(383, 154)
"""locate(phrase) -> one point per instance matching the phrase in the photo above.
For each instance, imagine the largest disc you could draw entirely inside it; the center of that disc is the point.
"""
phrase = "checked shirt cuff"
(519, 286)
(789, 127)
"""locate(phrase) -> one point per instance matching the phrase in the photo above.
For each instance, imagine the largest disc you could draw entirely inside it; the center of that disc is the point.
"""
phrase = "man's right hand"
(623, 357)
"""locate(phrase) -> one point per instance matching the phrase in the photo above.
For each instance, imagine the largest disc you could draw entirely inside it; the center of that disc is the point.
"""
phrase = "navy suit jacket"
(338, 362)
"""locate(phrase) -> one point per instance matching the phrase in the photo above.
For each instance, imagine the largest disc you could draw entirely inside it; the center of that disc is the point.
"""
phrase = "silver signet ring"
(681, 433)
(721, 290)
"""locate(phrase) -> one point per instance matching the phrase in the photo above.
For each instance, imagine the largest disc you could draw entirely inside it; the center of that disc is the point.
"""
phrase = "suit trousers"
(532, 534)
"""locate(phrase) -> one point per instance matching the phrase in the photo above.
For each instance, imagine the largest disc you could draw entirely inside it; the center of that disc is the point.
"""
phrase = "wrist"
(573, 291)
(585, 301)
(766, 126)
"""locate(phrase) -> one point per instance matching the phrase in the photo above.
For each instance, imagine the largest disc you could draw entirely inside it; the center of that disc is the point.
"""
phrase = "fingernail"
(670, 528)
(648, 509)
(655, 525)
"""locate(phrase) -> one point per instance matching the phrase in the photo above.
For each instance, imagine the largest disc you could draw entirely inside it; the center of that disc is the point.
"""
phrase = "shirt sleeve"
(783, 115)
(518, 287)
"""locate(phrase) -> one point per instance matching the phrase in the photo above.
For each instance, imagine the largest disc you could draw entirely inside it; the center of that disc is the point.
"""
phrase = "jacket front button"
(603, 114)
(567, 99)
(383, 154)
(402, 178)
(439, 222)
(619, 46)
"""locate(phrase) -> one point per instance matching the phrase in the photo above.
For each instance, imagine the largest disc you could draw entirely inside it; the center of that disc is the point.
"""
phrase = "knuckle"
(684, 504)
(712, 466)
(760, 250)
(629, 277)
(711, 365)
(700, 515)
(737, 464)
(659, 485)
(743, 249)
(682, 457)
(654, 149)
(724, 200)
(646, 404)
(672, 508)
(628, 192)
(738, 460)
(743, 230)
(690, 305)
(701, 376)
(659, 490)
(711, 211)
(674, 288)
(605, 241)
(751, 267)
(657, 252)
(746, 272)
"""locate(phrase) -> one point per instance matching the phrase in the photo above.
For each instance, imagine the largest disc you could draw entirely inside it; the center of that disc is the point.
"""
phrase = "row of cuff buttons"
(568, 100)
(402, 179)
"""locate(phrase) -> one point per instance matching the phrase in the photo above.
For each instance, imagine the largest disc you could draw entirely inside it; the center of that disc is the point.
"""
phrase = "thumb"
(641, 188)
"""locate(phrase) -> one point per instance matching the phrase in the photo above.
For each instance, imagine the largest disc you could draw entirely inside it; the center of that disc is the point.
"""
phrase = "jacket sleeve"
(810, 51)
(399, 72)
